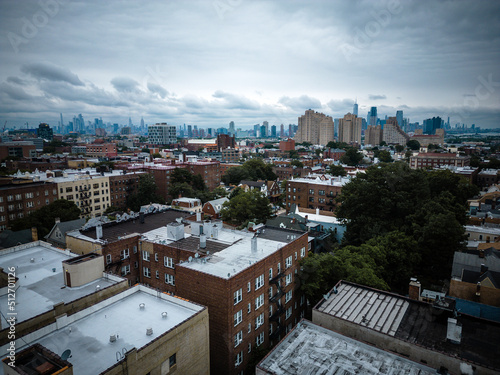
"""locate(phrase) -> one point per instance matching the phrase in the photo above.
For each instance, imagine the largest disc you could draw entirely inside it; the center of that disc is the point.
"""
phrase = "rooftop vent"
(142, 306)
(164, 315)
(149, 331)
(32, 260)
(112, 338)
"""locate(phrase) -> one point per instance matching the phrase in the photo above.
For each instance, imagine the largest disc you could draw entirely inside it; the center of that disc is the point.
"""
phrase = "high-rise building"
(373, 135)
(266, 126)
(373, 116)
(162, 134)
(314, 127)
(355, 108)
(431, 124)
(393, 134)
(142, 123)
(350, 129)
(231, 128)
(190, 131)
(45, 132)
(282, 131)
(273, 131)
(263, 132)
(399, 117)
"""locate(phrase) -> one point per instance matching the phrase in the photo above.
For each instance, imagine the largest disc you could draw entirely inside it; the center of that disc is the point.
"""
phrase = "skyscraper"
(231, 128)
(355, 108)
(142, 123)
(393, 134)
(266, 125)
(399, 117)
(373, 116)
(273, 131)
(162, 134)
(350, 129)
(314, 127)
(282, 131)
(431, 124)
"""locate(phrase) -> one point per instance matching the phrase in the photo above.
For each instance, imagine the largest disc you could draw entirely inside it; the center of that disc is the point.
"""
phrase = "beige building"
(373, 135)
(393, 134)
(350, 129)
(316, 128)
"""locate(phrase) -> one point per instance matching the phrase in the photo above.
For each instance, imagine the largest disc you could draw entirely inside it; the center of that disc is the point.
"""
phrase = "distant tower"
(282, 131)
(399, 117)
(142, 123)
(373, 116)
(129, 122)
(355, 108)
(62, 123)
(231, 130)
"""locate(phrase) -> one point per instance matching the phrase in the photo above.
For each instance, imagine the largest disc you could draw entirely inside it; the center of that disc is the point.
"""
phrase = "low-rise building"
(312, 349)
(435, 160)
(432, 333)
(187, 204)
(214, 207)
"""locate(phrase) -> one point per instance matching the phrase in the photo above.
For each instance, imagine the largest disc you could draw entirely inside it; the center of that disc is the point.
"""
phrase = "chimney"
(34, 233)
(414, 289)
(141, 217)
(307, 219)
(203, 241)
(198, 216)
(58, 220)
(254, 244)
(481, 253)
(484, 269)
(317, 211)
(98, 232)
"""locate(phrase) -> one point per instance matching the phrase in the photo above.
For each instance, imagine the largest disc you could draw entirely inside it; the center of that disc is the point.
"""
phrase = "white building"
(162, 134)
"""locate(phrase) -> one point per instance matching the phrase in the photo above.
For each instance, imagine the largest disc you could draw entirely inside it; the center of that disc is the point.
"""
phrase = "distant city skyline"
(207, 63)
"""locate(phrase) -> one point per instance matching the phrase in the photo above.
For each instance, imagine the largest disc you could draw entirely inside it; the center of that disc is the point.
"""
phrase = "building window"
(270, 292)
(146, 271)
(288, 312)
(238, 296)
(249, 327)
(157, 274)
(172, 360)
(168, 262)
(136, 264)
(249, 347)
(238, 317)
(124, 254)
(259, 282)
(260, 339)
(249, 287)
(321, 192)
(238, 338)
(170, 279)
(156, 257)
(249, 308)
(288, 279)
(270, 273)
(126, 270)
(238, 359)
(135, 249)
(303, 252)
(108, 258)
(288, 262)
(259, 320)
(279, 268)
(145, 255)
(311, 191)
(288, 296)
(259, 301)
(270, 310)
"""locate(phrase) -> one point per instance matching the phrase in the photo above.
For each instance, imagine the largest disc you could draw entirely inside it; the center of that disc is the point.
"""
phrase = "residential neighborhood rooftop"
(41, 281)
(100, 336)
(311, 349)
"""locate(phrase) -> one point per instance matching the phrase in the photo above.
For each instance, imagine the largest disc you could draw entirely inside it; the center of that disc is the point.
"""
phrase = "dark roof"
(475, 277)
(192, 243)
(423, 324)
(278, 234)
(65, 227)
(285, 222)
(111, 231)
(253, 183)
(9, 238)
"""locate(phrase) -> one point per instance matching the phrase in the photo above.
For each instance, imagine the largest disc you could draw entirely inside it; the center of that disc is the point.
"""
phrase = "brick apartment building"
(317, 192)
(102, 150)
(18, 149)
(120, 186)
(20, 197)
(225, 141)
(436, 160)
(247, 280)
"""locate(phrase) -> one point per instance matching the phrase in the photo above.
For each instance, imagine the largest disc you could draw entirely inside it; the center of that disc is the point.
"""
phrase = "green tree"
(413, 144)
(352, 157)
(296, 163)
(339, 145)
(246, 206)
(146, 193)
(400, 148)
(336, 170)
(234, 175)
(253, 169)
(384, 156)
(44, 218)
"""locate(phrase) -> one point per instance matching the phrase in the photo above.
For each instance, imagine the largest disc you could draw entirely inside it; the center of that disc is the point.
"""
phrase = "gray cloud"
(124, 84)
(300, 103)
(157, 89)
(51, 72)
(377, 97)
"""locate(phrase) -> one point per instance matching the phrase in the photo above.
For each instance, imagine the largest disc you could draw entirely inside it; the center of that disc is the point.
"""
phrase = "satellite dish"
(66, 354)
(196, 255)
(190, 259)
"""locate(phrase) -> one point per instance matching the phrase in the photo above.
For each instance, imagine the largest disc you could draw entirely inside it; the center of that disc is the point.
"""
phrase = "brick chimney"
(414, 289)
(58, 220)
(34, 234)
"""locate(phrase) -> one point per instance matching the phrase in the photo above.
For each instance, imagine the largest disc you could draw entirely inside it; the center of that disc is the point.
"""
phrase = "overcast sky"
(210, 62)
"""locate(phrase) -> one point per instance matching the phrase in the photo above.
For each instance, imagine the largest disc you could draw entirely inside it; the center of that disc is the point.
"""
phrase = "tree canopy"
(427, 206)
(336, 170)
(352, 157)
(246, 206)
(413, 144)
(44, 218)
(146, 193)
(253, 169)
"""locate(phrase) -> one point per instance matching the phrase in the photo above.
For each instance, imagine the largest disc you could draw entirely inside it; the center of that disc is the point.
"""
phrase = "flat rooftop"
(87, 333)
(238, 255)
(41, 281)
(417, 322)
(111, 231)
(311, 349)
